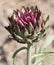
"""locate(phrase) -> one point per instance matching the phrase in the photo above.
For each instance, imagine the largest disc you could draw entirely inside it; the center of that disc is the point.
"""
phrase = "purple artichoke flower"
(27, 16)
(26, 24)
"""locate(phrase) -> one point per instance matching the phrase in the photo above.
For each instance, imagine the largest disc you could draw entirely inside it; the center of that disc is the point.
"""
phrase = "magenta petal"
(18, 14)
(28, 19)
(35, 14)
(28, 16)
(27, 9)
(23, 21)
(17, 19)
(32, 17)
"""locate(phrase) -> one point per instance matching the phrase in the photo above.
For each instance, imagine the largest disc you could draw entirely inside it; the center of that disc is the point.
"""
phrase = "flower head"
(27, 23)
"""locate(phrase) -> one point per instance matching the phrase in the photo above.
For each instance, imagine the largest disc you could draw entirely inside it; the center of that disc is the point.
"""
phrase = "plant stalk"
(29, 54)
(35, 50)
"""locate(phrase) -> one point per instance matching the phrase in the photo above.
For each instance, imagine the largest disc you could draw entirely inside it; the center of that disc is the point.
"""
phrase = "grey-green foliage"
(17, 51)
(42, 56)
(47, 42)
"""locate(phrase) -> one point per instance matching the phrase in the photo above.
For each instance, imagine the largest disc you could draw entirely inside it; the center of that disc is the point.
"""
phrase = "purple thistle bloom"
(26, 22)
(28, 16)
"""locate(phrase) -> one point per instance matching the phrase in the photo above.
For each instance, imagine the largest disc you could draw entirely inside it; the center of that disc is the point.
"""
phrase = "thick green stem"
(29, 55)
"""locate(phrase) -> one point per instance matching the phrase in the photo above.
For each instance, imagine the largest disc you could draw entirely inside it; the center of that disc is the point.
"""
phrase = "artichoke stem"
(29, 54)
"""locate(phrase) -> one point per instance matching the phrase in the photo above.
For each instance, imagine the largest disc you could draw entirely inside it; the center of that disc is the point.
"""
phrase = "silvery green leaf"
(17, 51)
(43, 59)
(38, 60)
(48, 57)
(47, 42)
(37, 55)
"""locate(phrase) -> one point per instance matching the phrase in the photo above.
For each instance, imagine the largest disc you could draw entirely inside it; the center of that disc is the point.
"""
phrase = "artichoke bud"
(26, 23)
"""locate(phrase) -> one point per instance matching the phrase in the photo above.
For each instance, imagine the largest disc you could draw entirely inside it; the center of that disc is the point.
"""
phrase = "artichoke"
(27, 25)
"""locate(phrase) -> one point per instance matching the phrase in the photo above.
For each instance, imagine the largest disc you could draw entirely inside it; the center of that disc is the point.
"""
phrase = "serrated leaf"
(47, 42)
